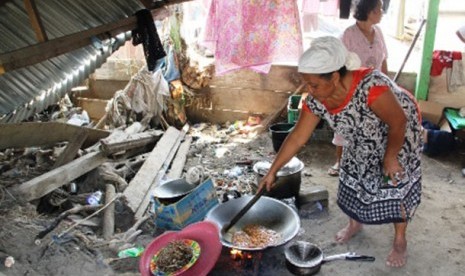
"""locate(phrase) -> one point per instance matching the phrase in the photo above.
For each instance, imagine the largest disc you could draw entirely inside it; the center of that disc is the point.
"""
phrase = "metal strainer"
(304, 258)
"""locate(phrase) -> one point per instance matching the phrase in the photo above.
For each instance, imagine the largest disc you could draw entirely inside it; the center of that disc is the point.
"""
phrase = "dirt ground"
(436, 239)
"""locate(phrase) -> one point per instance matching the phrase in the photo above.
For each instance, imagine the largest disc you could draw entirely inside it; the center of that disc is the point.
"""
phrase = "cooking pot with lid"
(288, 178)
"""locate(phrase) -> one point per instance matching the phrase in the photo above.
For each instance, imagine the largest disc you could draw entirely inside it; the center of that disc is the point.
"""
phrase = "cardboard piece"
(191, 208)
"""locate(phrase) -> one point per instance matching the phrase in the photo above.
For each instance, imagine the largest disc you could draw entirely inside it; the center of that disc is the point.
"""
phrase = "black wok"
(269, 212)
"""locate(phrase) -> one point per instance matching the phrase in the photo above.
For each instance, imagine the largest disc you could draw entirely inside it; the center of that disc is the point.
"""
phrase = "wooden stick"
(266, 123)
(74, 210)
(89, 217)
(108, 227)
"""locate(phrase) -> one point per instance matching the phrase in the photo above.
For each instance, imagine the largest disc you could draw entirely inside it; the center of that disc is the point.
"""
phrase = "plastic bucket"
(279, 133)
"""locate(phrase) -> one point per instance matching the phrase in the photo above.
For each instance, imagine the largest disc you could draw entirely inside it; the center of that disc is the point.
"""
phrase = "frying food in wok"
(255, 236)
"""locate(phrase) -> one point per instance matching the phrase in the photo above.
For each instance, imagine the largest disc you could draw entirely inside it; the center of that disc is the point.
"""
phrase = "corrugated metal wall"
(28, 90)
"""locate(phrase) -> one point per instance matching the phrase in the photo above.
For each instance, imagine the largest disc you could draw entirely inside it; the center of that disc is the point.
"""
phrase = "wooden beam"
(161, 173)
(140, 184)
(32, 134)
(36, 22)
(71, 150)
(49, 181)
(39, 52)
(111, 145)
(180, 159)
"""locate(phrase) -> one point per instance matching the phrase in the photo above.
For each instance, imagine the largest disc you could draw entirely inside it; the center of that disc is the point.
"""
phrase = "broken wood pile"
(125, 165)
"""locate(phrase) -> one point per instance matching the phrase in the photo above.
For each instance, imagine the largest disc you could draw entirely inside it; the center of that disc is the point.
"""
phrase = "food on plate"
(255, 236)
(174, 256)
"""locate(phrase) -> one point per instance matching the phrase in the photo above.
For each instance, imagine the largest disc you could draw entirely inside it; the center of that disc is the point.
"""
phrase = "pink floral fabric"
(253, 34)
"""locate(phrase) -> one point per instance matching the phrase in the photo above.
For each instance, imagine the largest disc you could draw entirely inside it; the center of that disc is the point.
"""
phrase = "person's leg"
(398, 255)
(338, 154)
(334, 170)
(352, 228)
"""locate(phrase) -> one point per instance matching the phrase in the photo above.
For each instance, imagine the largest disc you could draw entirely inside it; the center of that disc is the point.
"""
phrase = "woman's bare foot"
(352, 228)
(398, 255)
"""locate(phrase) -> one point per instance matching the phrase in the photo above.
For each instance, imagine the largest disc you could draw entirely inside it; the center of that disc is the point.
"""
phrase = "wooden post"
(423, 78)
(109, 214)
(49, 181)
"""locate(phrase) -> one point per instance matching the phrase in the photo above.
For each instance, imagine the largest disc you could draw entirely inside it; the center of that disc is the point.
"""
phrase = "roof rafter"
(51, 48)
(36, 22)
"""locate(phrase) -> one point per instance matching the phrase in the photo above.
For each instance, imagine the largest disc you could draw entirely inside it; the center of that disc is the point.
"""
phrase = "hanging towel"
(253, 34)
(146, 33)
(455, 75)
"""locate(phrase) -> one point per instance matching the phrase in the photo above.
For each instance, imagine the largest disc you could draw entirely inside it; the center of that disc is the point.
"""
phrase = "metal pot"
(288, 178)
(267, 211)
(172, 191)
(304, 258)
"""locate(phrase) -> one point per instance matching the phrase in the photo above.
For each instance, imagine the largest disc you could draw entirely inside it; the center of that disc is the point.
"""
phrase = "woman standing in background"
(365, 39)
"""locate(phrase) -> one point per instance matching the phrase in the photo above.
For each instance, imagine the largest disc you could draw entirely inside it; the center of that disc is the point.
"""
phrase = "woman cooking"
(381, 124)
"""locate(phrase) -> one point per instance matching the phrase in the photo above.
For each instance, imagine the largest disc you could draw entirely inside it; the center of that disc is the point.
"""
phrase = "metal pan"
(267, 211)
(304, 258)
(172, 191)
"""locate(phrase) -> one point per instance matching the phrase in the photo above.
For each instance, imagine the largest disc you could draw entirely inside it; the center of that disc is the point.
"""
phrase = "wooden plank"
(161, 173)
(197, 115)
(47, 182)
(140, 184)
(129, 141)
(42, 51)
(280, 78)
(71, 149)
(250, 100)
(43, 134)
(95, 107)
(36, 22)
(104, 89)
(123, 67)
(180, 159)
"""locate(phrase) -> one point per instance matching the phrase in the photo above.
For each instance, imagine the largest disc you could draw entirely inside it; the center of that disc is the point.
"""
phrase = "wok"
(172, 191)
(267, 211)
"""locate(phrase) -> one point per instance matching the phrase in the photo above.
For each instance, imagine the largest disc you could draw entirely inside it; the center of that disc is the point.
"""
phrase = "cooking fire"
(238, 255)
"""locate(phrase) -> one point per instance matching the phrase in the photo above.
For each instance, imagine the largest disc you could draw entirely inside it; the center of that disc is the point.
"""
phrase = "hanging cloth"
(344, 8)
(146, 33)
(253, 34)
(443, 59)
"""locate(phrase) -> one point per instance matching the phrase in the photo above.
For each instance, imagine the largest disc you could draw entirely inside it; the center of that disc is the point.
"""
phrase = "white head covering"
(325, 55)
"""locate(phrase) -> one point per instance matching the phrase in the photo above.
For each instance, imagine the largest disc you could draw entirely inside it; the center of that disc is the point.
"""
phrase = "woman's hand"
(267, 182)
(393, 169)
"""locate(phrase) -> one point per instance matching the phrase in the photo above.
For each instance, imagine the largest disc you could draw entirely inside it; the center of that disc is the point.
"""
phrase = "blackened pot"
(288, 179)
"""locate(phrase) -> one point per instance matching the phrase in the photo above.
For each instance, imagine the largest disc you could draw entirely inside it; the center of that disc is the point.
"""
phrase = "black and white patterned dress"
(363, 194)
